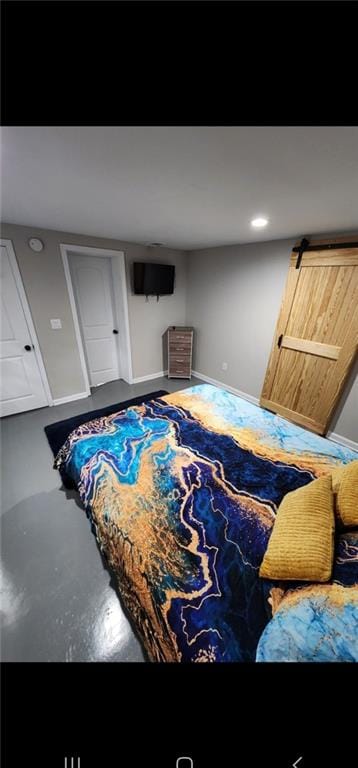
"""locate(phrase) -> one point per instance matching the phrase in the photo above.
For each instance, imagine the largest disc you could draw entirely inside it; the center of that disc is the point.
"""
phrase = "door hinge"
(303, 245)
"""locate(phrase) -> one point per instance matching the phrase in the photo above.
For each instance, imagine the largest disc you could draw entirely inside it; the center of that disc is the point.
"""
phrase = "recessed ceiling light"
(259, 222)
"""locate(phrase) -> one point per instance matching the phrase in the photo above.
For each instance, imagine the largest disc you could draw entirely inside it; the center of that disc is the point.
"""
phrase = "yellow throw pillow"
(345, 489)
(301, 545)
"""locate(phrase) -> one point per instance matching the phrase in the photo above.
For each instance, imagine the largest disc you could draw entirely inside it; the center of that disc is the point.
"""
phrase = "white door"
(21, 387)
(92, 285)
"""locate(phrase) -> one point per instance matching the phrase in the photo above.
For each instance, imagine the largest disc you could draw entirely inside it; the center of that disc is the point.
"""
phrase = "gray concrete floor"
(58, 601)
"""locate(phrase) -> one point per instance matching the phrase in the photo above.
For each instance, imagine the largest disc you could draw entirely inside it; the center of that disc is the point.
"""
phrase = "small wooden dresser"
(179, 351)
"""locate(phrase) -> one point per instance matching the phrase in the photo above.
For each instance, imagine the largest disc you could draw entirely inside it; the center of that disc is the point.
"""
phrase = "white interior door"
(92, 285)
(21, 387)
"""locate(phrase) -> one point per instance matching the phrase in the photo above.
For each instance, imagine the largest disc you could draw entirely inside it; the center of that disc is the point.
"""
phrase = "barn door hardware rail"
(305, 246)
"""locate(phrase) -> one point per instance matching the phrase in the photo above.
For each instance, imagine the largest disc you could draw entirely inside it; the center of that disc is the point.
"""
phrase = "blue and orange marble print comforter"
(182, 493)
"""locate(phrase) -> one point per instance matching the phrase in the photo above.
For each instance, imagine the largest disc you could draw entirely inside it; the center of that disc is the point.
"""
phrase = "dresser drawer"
(179, 362)
(179, 369)
(177, 337)
(180, 347)
(177, 358)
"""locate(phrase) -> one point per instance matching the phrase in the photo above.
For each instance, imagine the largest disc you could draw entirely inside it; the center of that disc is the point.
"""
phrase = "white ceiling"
(186, 187)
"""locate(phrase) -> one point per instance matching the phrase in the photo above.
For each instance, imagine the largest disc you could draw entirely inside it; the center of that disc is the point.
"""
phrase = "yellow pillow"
(301, 545)
(345, 489)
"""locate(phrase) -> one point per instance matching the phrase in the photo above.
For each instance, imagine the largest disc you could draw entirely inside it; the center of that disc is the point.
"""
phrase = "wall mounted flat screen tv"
(153, 279)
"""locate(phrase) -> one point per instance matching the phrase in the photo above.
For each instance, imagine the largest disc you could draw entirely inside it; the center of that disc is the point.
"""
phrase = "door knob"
(114, 330)
(27, 347)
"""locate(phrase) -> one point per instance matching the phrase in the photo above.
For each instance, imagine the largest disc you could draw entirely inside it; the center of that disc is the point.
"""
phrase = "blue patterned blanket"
(182, 493)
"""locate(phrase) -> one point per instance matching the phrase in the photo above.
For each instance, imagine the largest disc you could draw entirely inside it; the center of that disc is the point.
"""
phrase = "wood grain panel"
(323, 300)
(301, 382)
(340, 258)
(292, 416)
(344, 364)
(290, 289)
(318, 321)
(311, 347)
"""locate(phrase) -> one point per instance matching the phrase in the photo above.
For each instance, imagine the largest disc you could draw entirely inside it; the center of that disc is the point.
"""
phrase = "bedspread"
(182, 493)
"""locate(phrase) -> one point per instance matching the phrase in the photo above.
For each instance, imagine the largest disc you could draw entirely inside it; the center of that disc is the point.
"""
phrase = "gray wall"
(231, 295)
(149, 319)
(234, 295)
(46, 290)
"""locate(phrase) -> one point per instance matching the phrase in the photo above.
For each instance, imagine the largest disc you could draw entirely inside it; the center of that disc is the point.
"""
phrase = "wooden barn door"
(316, 334)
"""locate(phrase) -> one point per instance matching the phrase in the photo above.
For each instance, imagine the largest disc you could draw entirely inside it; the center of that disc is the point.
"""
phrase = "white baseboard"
(330, 435)
(251, 399)
(221, 384)
(342, 440)
(70, 398)
(150, 376)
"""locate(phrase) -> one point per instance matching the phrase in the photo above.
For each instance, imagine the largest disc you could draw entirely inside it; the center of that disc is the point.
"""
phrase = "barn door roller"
(299, 249)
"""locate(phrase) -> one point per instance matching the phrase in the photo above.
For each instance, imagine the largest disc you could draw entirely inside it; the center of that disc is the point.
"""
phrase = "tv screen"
(153, 279)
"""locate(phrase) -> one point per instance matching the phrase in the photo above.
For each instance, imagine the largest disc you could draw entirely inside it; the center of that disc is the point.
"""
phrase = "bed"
(182, 494)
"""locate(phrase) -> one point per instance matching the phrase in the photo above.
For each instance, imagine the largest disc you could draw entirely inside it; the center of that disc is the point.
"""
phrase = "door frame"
(8, 244)
(121, 305)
